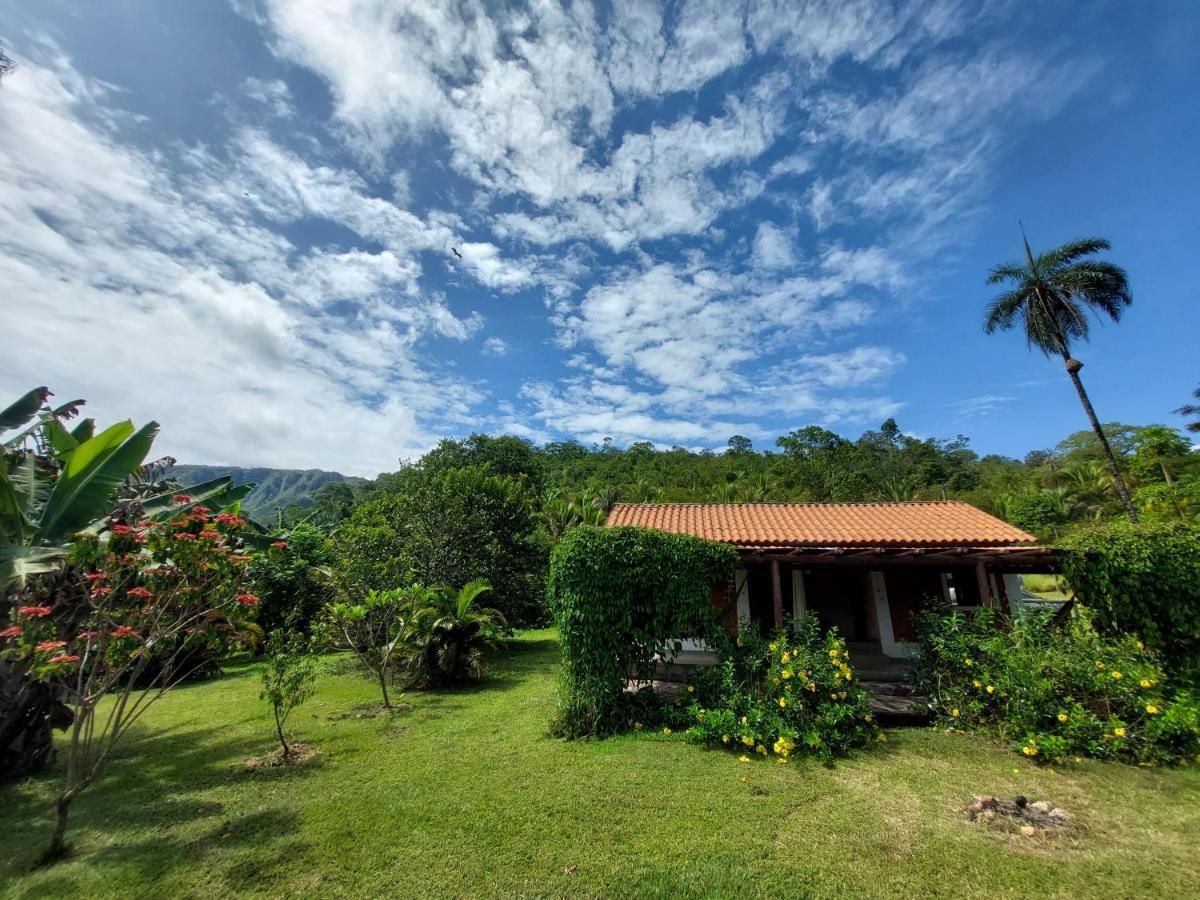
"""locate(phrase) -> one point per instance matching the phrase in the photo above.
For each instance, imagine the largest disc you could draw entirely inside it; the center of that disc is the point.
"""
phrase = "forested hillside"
(274, 488)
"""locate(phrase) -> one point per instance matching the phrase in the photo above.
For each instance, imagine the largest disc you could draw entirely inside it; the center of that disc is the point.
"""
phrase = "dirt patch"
(1020, 816)
(299, 755)
(372, 712)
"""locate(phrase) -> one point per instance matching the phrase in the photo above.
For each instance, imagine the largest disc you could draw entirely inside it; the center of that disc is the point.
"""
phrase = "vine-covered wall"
(618, 595)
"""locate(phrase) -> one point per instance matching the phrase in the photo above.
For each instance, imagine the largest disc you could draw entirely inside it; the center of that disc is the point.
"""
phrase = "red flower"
(139, 592)
(98, 592)
(230, 519)
(201, 510)
(184, 536)
(96, 576)
(121, 529)
(87, 635)
(211, 535)
(182, 498)
(247, 599)
(35, 612)
(51, 645)
(12, 632)
(282, 545)
(124, 631)
(63, 658)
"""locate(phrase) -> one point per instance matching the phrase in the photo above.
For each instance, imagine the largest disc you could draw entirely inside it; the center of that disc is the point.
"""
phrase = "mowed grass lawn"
(466, 795)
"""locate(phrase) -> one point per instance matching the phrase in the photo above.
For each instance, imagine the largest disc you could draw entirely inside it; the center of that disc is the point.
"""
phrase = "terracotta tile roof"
(930, 524)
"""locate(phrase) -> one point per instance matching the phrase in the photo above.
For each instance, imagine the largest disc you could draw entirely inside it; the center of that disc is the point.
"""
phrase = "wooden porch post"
(985, 587)
(777, 593)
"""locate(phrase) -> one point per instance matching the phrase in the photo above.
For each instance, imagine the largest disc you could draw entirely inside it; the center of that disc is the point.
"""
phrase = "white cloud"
(773, 247)
(495, 346)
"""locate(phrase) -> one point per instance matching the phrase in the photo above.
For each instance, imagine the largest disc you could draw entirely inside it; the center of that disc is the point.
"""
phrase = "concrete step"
(889, 688)
(897, 710)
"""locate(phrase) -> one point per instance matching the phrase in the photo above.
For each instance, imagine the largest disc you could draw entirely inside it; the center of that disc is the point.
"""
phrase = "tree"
(1192, 409)
(289, 678)
(449, 528)
(740, 444)
(1053, 294)
(293, 579)
(126, 628)
(376, 629)
(450, 635)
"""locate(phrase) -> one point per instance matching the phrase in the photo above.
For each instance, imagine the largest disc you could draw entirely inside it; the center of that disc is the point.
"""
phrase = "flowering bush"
(792, 693)
(139, 608)
(1053, 691)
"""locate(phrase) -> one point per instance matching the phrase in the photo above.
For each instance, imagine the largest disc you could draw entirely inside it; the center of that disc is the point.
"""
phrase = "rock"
(1057, 815)
(1028, 830)
(987, 815)
(1020, 801)
(1042, 807)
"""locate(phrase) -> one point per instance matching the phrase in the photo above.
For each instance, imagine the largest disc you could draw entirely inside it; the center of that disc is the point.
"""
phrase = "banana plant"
(55, 482)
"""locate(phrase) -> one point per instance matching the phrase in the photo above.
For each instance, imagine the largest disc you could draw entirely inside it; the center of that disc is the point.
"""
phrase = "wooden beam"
(777, 593)
(985, 587)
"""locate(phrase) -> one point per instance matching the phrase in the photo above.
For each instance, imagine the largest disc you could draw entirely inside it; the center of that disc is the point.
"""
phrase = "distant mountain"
(274, 487)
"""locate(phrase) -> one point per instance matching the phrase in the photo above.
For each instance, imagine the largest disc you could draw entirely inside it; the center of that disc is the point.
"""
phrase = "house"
(864, 567)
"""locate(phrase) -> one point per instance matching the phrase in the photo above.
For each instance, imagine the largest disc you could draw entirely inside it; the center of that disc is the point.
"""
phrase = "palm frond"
(1052, 260)
(1002, 311)
(1008, 272)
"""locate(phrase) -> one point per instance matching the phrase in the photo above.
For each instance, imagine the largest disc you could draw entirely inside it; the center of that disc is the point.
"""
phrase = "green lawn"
(465, 794)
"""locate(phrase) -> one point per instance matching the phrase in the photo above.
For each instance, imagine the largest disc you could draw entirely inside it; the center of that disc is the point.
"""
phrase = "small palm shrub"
(449, 635)
(794, 692)
(1054, 691)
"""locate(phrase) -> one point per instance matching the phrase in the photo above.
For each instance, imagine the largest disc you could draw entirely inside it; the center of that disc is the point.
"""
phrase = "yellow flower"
(841, 695)
(783, 659)
(666, 731)
(1029, 750)
(1152, 709)
(637, 726)
(975, 682)
(786, 673)
(867, 717)
(832, 696)
(743, 720)
(1099, 664)
(782, 760)
(881, 737)
(812, 686)
(724, 739)
(783, 703)
(1016, 771)
(691, 689)
(954, 712)
(761, 749)
(968, 661)
(1115, 674)
(1119, 732)
(1145, 682)
(747, 740)
(990, 689)
(845, 654)
(743, 758)
(1062, 717)
(774, 647)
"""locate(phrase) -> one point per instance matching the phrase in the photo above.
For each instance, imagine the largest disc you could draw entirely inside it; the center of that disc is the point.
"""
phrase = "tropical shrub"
(1054, 691)
(1145, 580)
(151, 599)
(449, 635)
(375, 630)
(794, 692)
(449, 528)
(288, 678)
(619, 596)
(292, 578)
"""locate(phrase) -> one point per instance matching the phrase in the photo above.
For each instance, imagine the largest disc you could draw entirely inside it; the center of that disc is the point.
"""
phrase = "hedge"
(618, 595)
(1143, 580)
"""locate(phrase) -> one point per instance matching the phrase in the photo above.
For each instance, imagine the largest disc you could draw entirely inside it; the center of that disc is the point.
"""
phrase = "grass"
(464, 794)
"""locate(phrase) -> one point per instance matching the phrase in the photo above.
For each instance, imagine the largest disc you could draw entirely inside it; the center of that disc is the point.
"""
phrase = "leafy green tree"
(289, 678)
(294, 580)
(740, 444)
(1053, 294)
(376, 629)
(504, 455)
(1042, 513)
(450, 635)
(1158, 449)
(450, 528)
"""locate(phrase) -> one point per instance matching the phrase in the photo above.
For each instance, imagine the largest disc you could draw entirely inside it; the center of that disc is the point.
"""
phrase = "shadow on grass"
(153, 788)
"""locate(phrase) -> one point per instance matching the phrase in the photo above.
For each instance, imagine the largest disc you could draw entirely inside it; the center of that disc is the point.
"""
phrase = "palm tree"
(1051, 298)
(450, 636)
(1191, 409)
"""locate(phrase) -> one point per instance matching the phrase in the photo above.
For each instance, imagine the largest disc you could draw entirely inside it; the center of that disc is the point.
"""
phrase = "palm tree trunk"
(1073, 367)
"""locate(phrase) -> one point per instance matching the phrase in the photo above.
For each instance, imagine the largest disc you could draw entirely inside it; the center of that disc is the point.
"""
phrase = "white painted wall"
(883, 617)
(743, 597)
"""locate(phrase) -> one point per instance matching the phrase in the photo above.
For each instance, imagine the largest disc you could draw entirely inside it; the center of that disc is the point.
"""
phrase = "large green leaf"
(23, 410)
(12, 515)
(90, 487)
(61, 441)
(159, 504)
(17, 563)
(84, 431)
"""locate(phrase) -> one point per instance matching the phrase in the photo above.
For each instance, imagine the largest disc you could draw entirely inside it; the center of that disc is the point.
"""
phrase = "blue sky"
(675, 224)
